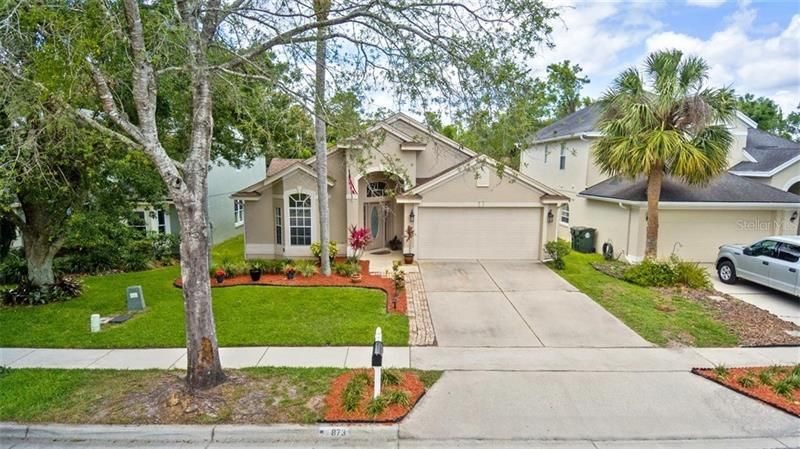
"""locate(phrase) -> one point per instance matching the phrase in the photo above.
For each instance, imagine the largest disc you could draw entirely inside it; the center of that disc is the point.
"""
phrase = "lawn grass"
(661, 319)
(250, 396)
(245, 316)
(285, 395)
(231, 249)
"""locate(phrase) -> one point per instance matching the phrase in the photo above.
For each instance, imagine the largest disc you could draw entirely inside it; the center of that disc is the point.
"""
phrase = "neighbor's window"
(300, 219)
(238, 212)
(565, 214)
(162, 222)
(546, 152)
(138, 222)
(376, 189)
(278, 226)
(562, 159)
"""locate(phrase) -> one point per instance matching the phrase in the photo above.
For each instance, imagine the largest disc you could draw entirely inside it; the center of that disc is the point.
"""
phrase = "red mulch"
(367, 281)
(335, 412)
(759, 391)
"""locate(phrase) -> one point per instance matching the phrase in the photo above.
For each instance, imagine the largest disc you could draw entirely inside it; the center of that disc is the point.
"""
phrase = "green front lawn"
(245, 316)
(231, 249)
(659, 318)
(249, 396)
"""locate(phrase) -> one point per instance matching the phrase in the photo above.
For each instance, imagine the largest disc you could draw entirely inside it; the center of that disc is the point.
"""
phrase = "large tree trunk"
(204, 369)
(654, 181)
(321, 7)
(39, 255)
(39, 240)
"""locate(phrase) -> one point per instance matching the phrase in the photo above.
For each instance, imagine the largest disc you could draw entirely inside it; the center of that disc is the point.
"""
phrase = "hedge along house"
(754, 199)
(459, 204)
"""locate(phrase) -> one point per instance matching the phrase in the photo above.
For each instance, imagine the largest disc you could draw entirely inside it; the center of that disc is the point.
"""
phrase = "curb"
(199, 434)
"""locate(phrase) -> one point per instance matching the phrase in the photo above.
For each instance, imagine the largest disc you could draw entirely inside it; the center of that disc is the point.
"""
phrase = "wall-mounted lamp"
(794, 217)
(411, 217)
(550, 216)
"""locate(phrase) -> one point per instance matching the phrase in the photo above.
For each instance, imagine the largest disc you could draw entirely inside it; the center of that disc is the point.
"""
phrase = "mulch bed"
(368, 280)
(754, 326)
(759, 391)
(335, 411)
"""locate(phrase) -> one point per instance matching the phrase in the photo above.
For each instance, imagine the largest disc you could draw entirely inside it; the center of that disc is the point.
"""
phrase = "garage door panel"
(478, 233)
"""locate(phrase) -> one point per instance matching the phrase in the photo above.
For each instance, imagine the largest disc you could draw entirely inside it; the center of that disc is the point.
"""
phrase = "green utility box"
(583, 239)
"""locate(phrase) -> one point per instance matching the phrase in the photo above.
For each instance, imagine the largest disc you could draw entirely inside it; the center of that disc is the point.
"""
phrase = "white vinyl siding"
(479, 232)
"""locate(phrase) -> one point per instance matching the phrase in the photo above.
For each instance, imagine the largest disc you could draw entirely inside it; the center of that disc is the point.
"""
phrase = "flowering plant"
(358, 239)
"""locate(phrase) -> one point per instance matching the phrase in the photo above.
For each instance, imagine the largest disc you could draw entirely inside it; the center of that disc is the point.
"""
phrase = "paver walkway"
(516, 304)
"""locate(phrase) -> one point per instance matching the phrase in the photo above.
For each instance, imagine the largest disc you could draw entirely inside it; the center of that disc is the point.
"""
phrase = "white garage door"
(478, 233)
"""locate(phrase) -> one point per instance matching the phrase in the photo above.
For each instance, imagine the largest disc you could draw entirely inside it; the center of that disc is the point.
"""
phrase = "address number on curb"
(334, 432)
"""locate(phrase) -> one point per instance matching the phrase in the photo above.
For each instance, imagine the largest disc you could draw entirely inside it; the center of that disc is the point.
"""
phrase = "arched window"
(376, 189)
(299, 219)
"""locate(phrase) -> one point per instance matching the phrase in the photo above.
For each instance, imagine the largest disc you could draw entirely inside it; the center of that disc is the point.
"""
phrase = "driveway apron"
(477, 303)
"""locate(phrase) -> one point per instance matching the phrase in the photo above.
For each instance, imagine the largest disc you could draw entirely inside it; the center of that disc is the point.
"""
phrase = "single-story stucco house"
(459, 204)
(754, 199)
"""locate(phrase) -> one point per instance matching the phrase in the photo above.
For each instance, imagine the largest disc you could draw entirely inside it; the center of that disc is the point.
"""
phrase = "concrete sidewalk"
(439, 358)
(19, 436)
(175, 358)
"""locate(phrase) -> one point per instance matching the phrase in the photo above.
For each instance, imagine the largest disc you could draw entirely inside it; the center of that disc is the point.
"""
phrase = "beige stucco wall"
(337, 207)
(575, 176)
(615, 224)
(785, 178)
(696, 235)
(463, 188)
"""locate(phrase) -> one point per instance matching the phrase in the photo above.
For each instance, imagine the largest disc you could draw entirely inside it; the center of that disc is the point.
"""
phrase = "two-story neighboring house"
(225, 214)
(460, 204)
(752, 200)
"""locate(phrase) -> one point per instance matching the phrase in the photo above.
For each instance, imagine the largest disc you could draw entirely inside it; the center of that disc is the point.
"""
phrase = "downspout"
(628, 232)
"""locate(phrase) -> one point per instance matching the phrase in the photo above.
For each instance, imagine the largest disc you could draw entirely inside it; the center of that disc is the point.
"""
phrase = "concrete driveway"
(786, 307)
(476, 303)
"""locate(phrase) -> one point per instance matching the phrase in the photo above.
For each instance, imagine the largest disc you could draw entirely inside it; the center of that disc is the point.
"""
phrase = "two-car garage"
(479, 232)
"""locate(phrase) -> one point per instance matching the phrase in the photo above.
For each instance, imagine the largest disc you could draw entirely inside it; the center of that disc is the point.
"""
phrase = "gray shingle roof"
(581, 121)
(768, 150)
(726, 188)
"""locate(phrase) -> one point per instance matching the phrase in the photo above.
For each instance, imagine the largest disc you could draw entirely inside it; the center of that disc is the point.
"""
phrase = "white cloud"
(768, 66)
(705, 3)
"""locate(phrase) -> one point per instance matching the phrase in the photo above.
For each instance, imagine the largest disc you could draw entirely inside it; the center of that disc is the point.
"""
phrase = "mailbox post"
(377, 361)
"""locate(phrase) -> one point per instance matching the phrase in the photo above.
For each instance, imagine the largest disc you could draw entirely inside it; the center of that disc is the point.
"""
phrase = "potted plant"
(256, 270)
(219, 275)
(408, 258)
(289, 271)
(355, 277)
(316, 250)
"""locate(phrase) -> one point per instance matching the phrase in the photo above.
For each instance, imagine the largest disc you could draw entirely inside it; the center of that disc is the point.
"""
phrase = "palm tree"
(664, 122)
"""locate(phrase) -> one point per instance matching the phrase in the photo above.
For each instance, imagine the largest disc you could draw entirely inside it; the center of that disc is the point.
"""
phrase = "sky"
(753, 46)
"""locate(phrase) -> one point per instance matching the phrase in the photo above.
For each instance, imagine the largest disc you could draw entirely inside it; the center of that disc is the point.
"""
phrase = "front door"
(375, 221)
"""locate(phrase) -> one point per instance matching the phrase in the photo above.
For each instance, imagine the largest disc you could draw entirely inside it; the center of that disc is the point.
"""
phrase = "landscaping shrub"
(306, 268)
(346, 269)
(556, 250)
(668, 273)
(316, 249)
(27, 294)
(274, 266)
(166, 247)
(13, 268)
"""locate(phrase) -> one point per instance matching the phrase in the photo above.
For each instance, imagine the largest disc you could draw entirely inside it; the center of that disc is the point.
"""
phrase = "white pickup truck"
(774, 262)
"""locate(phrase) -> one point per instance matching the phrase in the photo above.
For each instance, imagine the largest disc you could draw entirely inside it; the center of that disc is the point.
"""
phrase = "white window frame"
(562, 158)
(278, 226)
(546, 152)
(238, 212)
(564, 215)
(143, 226)
(307, 216)
(162, 221)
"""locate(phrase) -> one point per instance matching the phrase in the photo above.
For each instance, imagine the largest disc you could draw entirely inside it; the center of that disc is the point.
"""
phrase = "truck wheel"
(726, 272)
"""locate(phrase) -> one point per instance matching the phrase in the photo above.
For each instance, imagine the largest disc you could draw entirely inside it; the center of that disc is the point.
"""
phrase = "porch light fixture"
(411, 217)
(794, 217)
(550, 216)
